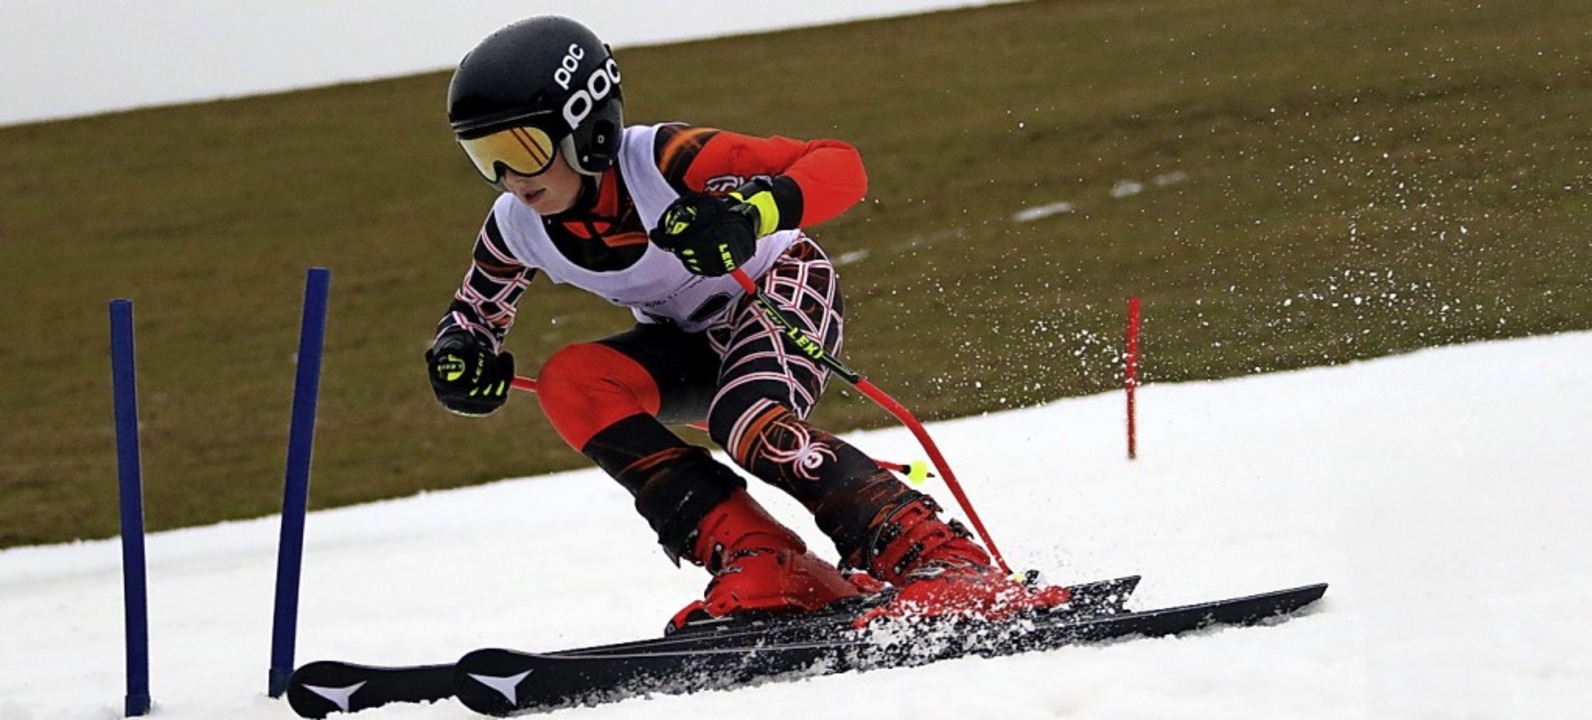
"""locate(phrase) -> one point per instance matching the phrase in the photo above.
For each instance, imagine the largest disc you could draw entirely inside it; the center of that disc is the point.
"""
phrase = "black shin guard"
(675, 489)
(844, 488)
(674, 484)
(624, 443)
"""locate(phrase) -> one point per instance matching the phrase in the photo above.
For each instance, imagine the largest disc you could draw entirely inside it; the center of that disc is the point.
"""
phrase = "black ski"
(1090, 599)
(324, 687)
(328, 686)
(503, 682)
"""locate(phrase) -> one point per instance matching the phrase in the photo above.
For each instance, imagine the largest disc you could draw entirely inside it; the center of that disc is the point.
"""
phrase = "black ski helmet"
(548, 72)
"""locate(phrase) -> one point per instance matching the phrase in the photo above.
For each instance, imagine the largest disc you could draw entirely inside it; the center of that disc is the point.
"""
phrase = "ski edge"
(480, 673)
(336, 690)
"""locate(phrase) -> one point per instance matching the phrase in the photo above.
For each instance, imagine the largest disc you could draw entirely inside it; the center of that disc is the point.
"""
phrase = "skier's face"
(548, 193)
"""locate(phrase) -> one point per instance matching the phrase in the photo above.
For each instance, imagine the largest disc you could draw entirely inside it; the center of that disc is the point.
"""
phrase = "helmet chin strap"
(590, 182)
(586, 199)
(588, 191)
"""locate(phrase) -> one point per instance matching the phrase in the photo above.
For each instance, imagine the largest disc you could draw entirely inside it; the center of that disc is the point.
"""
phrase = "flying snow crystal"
(1125, 188)
(848, 258)
(1171, 178)
(1035, 213)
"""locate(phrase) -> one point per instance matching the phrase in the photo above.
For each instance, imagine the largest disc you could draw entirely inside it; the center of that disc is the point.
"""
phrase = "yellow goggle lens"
(525, 150)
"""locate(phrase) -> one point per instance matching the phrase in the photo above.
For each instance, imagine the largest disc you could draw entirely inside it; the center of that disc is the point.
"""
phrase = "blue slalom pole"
(295, 496)
(135, 595)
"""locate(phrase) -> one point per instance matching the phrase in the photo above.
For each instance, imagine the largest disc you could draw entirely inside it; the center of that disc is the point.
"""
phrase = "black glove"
(467, 376)
(710, 235)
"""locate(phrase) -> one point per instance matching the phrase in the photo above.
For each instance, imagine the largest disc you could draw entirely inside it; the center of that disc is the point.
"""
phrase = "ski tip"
(1291, 600)
(1313, 590)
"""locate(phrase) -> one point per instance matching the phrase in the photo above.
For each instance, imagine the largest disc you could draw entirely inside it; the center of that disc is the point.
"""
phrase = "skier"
(654, 218)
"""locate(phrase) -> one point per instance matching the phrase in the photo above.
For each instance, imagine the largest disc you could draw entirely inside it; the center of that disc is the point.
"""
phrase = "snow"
(1442, 493)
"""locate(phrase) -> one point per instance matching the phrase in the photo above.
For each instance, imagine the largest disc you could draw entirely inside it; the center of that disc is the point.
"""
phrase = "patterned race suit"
(700, 349)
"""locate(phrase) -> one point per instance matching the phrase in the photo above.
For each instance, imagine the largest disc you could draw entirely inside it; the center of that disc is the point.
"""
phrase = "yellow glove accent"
(767, 210)
(678, 220)
(452, 367)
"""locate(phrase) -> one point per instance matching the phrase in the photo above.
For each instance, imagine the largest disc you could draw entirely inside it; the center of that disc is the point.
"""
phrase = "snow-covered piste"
(1444, 494)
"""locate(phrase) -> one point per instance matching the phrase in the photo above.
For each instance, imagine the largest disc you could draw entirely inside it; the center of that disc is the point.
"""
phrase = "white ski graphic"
(338, 695)
(505, 685)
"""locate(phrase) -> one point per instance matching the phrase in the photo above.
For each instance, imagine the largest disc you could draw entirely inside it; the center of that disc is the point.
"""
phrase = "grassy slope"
(1322, 181)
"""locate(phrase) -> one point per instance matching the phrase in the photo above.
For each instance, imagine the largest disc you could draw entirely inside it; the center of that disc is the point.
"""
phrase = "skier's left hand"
(467, 376)
(711, 235)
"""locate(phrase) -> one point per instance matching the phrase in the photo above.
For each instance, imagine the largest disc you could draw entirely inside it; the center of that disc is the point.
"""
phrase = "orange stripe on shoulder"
(679, 147)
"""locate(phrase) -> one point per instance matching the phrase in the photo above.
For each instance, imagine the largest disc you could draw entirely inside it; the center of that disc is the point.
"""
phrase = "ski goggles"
(525, 150)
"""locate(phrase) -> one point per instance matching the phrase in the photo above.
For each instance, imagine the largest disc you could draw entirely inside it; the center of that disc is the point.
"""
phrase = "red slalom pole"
(520, 382)
(812, 349)
(1131, 375)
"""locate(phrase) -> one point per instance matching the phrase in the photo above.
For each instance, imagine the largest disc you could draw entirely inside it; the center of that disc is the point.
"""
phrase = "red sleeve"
(813, 180)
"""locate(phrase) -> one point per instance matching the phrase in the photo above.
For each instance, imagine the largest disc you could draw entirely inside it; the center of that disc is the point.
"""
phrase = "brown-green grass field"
(1319, 182)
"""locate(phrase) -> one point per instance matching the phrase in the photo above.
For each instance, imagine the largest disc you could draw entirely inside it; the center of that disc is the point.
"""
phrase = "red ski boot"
(760, 565)
(939, 571)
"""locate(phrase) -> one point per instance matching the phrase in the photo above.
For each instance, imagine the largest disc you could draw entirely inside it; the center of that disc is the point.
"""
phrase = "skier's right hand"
(468, 378)
(712, 236)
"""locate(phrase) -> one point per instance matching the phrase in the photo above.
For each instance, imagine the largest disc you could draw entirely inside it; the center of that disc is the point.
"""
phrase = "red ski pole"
(912, 470)
(1130, 376)
(813, 349)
